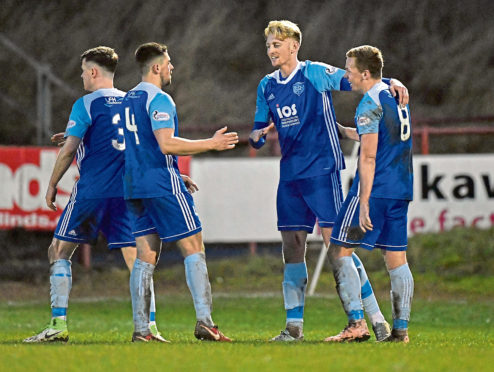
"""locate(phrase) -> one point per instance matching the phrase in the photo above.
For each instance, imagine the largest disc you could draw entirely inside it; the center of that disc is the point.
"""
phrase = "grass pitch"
(445, 336)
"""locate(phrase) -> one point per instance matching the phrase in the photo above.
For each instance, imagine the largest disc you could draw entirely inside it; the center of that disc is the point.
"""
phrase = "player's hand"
(50, 197)
(58, 139)
(256, 134)
(224, 141)
(189, 183)
(364, 219)
(396, 87)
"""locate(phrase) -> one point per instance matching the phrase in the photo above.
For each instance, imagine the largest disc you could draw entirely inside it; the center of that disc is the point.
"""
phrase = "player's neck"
(151, 79)
(369, 84)
(102, 84)
(287, 68)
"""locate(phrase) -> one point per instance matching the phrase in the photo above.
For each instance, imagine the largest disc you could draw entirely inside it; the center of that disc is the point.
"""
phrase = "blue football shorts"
(389, 220)
(172, 217)
(82, 220)
(300, 202)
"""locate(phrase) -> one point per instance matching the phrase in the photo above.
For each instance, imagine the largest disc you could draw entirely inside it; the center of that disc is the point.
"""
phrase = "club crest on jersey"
(298, 88)
(160, 116)
(331, 70)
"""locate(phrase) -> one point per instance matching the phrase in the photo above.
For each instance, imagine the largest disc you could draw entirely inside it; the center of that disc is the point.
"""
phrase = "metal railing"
(44, 79)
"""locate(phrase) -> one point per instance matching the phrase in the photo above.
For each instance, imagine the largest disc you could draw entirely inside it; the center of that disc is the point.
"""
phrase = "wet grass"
(445, 335)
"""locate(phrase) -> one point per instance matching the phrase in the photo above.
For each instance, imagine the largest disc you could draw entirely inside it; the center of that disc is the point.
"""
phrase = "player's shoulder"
(111, 96)
(308, 65)
(152, 91)
(378, 94)
(268, 77)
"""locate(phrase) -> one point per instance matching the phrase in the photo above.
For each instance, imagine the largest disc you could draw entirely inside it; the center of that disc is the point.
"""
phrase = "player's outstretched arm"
(64, 159)
(348, 132)
(257, 134)
(171, 145)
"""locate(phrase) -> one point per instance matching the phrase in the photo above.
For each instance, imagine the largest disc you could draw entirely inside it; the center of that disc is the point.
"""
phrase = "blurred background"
(443, 51)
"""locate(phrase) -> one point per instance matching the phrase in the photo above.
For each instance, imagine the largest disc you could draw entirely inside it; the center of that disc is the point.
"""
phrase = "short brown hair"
(283, 29)
(367, 58)
(145, 53)
(103, 56)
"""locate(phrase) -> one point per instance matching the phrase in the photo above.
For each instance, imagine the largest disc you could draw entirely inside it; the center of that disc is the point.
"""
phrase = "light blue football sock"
(140, 282)
(348, 287)
(60, 286)
(196, 275)
(369, 301)
(401, 295)
(294, 285)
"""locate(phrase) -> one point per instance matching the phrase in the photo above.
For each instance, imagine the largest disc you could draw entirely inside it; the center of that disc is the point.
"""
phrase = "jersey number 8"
(405, 123)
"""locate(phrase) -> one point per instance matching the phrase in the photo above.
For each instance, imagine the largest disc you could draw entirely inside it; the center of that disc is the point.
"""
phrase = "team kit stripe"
(182, 202)
(336, 192)
(352, 207)
(332, 131)
(68, 210)
(174, 178)
(81, 152)
(188, 214)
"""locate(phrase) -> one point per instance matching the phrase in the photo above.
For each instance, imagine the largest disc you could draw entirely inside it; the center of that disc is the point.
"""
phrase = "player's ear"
(295, 46)
(155, 68)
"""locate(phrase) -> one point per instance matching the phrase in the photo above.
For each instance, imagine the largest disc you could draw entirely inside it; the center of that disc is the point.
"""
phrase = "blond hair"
(283, 29)
(367, 58)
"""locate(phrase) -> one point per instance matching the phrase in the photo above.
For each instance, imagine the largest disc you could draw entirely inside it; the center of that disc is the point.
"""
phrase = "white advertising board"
(237, 197)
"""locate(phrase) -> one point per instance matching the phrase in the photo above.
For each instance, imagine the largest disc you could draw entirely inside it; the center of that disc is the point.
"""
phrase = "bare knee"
(148, 248)
(191, 245)
(394, 259)
(294, 246)
(336, 251)
(60, 250)
(129, 254)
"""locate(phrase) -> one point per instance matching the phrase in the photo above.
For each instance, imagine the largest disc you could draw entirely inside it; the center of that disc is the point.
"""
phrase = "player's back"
(100, 157)
(393, 176)
(148, 172)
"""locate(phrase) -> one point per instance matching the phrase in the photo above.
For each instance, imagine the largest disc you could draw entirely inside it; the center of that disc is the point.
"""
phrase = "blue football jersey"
(378, 112)
(100, 156)
(301, 108)
(148, 172)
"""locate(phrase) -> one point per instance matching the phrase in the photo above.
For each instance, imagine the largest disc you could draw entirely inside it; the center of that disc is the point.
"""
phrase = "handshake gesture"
(224, 141)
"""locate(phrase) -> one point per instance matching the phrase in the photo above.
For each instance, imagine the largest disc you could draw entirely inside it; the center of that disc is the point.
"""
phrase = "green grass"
(445, 336)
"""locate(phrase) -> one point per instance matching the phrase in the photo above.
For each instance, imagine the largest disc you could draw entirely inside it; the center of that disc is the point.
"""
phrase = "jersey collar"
(279, 80)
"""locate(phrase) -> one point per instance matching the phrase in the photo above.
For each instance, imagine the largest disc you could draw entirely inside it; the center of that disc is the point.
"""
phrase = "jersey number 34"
(131, 127)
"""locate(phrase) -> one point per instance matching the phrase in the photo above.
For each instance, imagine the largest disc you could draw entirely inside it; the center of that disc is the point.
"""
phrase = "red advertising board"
(24, 176)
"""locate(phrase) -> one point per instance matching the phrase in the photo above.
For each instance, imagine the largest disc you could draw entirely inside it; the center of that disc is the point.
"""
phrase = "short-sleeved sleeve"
(368, 116)
(79, 120)
(323, 77)
(162, 112)
(262, 108)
